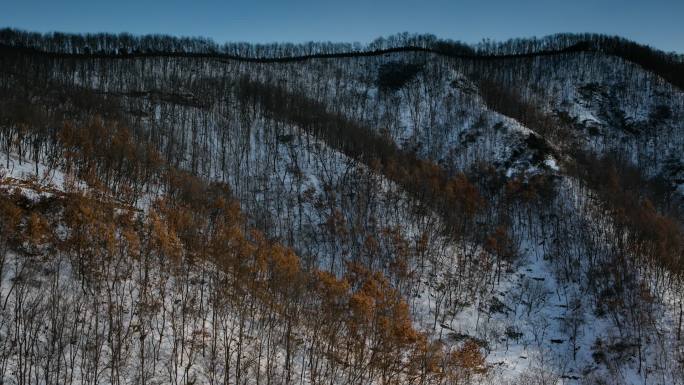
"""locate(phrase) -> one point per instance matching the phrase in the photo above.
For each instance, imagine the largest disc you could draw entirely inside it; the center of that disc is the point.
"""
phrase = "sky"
(659, 23)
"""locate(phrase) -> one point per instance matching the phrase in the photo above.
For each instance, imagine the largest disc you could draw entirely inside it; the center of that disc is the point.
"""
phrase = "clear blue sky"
(659, 23)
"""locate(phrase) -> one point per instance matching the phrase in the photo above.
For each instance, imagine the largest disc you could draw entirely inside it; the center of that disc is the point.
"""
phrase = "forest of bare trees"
(186, 215)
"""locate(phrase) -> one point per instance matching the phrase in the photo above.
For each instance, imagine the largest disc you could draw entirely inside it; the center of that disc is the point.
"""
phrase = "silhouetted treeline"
(668, 65)
(126, 44)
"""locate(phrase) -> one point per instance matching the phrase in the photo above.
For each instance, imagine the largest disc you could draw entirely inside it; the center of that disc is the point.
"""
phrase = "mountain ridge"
(668, 65)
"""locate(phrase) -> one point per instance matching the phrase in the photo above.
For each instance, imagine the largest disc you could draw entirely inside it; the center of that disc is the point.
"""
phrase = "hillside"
(414, 211)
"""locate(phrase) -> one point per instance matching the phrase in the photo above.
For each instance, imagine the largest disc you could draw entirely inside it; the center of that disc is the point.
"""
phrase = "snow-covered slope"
(528, 278)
